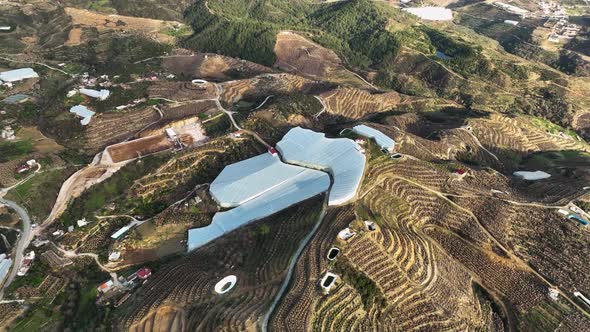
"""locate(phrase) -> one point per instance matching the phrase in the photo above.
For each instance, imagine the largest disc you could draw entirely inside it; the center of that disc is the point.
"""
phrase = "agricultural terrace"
(189, 283)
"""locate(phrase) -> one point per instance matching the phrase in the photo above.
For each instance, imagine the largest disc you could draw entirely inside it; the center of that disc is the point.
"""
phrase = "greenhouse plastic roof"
(18, 74)
(250, 178)
(431, 13)
(83, 112)
(100, 95)
(299, 187)
(339, 156)
(384, 141)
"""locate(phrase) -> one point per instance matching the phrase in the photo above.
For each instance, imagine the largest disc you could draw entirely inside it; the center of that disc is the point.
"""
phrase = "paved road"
(23, 241)
(292, 262)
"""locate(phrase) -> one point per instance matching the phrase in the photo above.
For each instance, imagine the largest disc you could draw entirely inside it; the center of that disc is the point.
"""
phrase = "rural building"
(341, 157)
(171, 134)
(120, 232)
(16, 99)
(257, 188)
(18, 75)
(143, 273)
(105, 287)
(384, 141)
(83, 112)
(8, 133)
(100, 95)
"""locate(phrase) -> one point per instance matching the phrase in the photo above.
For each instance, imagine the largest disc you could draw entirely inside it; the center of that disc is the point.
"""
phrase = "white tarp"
(18, 75)
(431, 13)
(536, 175)
(302, 186)
(339, 156)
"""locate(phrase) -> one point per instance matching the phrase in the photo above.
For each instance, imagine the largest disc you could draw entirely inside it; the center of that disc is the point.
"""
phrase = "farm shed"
(341, 157)
(274, 198)
(250, 178)
(384, 141)
(18, 75)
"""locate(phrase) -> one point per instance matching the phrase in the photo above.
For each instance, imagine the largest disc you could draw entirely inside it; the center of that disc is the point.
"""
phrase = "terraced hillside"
(193, 167)
(182, 295)
(112, 127)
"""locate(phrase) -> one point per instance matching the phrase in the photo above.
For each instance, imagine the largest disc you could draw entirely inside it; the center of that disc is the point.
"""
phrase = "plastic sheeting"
(339, 156)
(18, 75)
(262, 199)
(384, 141)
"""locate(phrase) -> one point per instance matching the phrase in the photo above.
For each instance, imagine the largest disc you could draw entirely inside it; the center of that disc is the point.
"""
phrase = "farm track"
(292, 262)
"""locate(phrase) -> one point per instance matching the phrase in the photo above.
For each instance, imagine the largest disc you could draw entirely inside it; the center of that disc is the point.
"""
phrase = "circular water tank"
(226, 284)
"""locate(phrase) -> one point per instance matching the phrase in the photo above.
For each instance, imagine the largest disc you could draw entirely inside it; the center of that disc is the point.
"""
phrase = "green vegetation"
(182, 31)
(120, 96)
(114, 189)
(39, 193)
(14, 150)
(548, 160)
(357, 29)
(217, 126)
(367, 289)
(545, 316)
(463, 57)
(550, 127)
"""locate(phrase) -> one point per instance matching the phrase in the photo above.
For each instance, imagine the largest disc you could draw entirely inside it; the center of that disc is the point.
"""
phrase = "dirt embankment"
(299, 55)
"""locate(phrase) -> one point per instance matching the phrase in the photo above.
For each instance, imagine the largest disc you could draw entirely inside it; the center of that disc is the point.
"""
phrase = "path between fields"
(265, 319)
(73, 254)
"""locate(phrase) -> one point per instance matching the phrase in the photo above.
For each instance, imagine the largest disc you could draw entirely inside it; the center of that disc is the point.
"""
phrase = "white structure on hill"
(257, 188)
(83, 112)
(100, 95)
(341, 157)
(431, 13)
(532, 176)
(384, 141)
(18, 75)
(250, 178)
